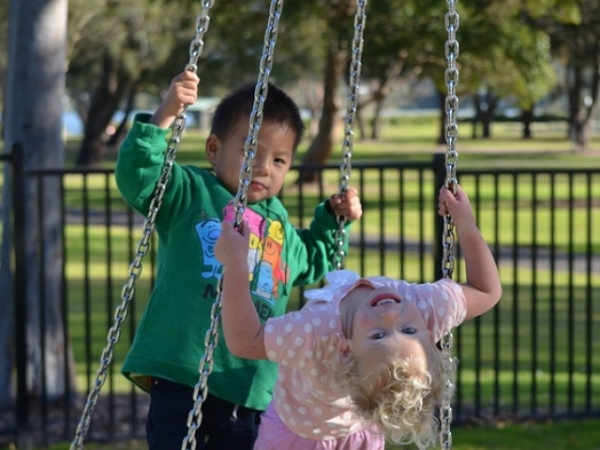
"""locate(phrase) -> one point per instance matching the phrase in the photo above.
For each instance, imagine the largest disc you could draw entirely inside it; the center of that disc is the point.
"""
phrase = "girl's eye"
(409, 330)
(378, 336)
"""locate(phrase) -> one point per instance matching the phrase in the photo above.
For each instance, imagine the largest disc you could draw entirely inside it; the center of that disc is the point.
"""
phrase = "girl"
(358, 363)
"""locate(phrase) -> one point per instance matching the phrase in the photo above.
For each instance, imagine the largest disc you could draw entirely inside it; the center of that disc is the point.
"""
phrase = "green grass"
(580, 435)
(88, 289)
(514, 224)
(515, 219)
(514, 315)
(414, 139)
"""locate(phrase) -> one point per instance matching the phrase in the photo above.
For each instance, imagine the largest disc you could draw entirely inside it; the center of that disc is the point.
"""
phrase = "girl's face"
(385, 327)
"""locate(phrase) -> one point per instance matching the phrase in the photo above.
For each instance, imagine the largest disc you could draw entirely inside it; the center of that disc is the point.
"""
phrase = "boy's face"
(271, 163)
(385, 327)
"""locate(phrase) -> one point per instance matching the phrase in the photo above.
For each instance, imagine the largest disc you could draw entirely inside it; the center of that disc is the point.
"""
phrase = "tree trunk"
(486, 124)
(320, 149)
(488, 109)
(120, 132)
(584, 135)
(574, 85)
(360, 122)
(113, 86)
(375, 130)
(443, 118)
(388, 78)
(476, 115)
(527, 119)
(35, 88)
(581, 109)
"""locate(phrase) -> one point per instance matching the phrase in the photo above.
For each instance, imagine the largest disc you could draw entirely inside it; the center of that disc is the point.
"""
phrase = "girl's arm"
(483, 288)
(244, 333)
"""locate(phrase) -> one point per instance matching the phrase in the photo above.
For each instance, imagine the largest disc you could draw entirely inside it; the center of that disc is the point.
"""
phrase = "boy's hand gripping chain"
(135, 269)
(345, 167)
(212, 335)
(451, 104)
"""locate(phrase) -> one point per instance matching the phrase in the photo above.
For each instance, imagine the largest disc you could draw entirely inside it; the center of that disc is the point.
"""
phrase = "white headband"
(339, 283)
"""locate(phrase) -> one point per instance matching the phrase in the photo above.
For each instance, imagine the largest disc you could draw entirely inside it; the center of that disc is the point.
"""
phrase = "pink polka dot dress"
(307, 398)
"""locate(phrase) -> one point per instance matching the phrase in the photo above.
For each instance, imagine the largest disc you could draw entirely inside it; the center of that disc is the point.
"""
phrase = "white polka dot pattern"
(307, 397)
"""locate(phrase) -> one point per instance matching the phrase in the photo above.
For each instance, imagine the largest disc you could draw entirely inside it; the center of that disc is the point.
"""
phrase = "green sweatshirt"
(169, 341)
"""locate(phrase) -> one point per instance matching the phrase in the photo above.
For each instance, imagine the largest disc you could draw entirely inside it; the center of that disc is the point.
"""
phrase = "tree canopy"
(508, 49)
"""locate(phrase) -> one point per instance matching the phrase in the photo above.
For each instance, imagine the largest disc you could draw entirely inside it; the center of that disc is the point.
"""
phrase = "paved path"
(525, 257)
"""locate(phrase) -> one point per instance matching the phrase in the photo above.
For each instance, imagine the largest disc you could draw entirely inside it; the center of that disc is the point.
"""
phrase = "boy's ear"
(213, 144)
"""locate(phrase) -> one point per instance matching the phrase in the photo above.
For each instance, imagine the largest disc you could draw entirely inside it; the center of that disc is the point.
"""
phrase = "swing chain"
(240, 201)
(135, 269)
(351, 107)
(256, 116)
(448, 238)
(446, 409)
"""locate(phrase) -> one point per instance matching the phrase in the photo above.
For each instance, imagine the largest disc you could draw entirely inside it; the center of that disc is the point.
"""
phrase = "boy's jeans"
(170, 405)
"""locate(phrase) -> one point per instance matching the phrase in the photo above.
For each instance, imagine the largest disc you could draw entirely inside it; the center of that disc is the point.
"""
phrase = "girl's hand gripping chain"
(244, 333)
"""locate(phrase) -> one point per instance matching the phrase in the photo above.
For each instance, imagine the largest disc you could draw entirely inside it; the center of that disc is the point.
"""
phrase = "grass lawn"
(414, 138)
(411, 140)
(572, 435)
(582, 435)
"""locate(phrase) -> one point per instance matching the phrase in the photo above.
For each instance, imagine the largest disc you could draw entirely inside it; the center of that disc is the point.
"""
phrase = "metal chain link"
(240, 201)
(353, 84)
(135, 269)
(448, 238)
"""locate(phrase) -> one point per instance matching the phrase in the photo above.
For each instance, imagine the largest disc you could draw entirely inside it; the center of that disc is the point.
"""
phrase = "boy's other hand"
(347, 204)
(183, 91)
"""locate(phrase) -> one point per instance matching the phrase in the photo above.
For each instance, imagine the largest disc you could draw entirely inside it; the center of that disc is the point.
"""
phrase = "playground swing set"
(240, 201)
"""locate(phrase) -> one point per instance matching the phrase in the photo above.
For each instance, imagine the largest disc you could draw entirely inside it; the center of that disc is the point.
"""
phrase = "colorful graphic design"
(266, 267)
(208, 232)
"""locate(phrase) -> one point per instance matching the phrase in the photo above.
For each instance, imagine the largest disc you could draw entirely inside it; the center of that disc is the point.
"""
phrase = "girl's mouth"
(384, 301)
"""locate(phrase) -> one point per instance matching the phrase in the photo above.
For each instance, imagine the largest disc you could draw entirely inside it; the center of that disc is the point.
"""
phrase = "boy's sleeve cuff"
(328, 208)
(147, 131)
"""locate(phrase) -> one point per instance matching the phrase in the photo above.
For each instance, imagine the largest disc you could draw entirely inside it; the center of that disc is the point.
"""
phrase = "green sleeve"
(139, 167)
(315, 255)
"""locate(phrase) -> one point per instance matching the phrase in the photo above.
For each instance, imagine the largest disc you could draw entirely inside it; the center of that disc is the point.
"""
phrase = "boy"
(169, 341)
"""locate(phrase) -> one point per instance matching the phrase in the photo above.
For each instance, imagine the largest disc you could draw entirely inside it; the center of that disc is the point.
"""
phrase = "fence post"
(20, 293)
(439, 171)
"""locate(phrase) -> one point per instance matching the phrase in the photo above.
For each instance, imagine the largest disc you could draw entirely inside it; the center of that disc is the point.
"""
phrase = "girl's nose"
(390, 315)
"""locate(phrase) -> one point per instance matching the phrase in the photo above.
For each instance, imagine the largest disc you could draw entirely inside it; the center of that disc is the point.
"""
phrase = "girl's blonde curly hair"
(402, 396)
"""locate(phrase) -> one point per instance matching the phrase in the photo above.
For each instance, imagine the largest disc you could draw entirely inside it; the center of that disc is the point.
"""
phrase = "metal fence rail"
(531, 357)
(548, 320)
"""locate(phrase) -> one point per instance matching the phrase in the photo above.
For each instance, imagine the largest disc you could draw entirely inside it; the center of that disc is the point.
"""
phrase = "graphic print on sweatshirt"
(208, 231)
(266, 267)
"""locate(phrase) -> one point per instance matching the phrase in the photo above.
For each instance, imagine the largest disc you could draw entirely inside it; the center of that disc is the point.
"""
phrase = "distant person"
(169, 341)
(359, 362)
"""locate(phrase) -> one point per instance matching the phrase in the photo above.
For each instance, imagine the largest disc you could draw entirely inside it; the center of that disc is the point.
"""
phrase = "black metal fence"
(534, 356)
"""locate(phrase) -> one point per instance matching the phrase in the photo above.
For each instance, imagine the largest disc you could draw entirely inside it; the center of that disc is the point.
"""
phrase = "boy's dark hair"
(278, 108)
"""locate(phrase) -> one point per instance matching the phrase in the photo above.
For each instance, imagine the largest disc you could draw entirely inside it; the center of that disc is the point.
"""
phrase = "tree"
(338, 17)
(402, 36)
(501, 56)
(3, 52)
(34, 92)
(113, 45)
(576, 42)
(124, 47)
